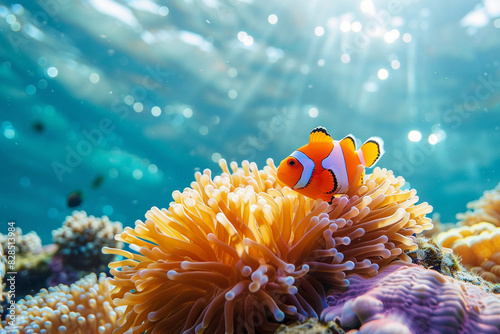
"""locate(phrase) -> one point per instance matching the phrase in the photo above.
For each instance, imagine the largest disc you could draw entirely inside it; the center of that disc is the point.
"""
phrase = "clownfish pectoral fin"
(320, 135)
(371, 151)
(328, 182)
(348, 142)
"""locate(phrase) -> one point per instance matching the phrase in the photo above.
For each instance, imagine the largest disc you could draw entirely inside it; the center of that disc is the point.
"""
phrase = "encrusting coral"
(311, 326)
(485, 209)
(240, 252)
(30, 258)
(85, 307)
(79, 242)
(25, 244)
(478, 247)
(405, 298)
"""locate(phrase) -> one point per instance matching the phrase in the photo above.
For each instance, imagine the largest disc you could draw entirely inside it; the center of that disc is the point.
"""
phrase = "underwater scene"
(246, 166)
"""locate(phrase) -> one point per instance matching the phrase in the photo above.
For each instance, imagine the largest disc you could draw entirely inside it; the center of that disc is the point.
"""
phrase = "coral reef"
(405, 298)
(478, 247)
(79, 243)
(485, 209)
(30, 259)
(312, 326)
(82, 308)
(25, 244)
(489, 269)
(430, 255)
(238, 245)
(76, 252)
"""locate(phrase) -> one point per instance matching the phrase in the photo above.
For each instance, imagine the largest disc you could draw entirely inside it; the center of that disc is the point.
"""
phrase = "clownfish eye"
(292, 163)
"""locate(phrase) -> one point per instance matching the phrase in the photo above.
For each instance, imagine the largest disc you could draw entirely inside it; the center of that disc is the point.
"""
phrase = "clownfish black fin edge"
(349, 142)
(319, 135)
(372, 150)
(328, 177)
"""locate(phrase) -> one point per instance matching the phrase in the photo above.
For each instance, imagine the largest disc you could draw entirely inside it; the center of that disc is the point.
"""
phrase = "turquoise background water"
(125, 100)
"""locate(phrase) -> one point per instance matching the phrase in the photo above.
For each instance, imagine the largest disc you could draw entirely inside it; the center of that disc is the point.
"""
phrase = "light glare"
(433, 139)
(414, 136)
(345, 26)
(367, 6)
(345, 58)
(391, 36)
(94, 78)
(52, 72)
(319, 31)
(356, 26)
(156, 111)
(313, 112)
(382, 74)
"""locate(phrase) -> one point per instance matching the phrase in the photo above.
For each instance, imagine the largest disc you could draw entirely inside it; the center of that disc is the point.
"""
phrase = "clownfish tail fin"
(371, 151)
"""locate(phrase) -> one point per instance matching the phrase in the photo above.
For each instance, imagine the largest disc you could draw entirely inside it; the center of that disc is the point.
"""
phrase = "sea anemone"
(82, 308)
(405, 298)
(81, 238)
(240, 252)
(485, 209)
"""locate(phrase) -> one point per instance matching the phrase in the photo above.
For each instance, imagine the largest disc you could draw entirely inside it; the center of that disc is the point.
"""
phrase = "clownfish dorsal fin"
(320, 135)
(348, 142)
(371, 151)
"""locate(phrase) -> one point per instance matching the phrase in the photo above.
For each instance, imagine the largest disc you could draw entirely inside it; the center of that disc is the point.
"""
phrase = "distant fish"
(38, 126)
(98, 181)
(75, 199)
(325, 167)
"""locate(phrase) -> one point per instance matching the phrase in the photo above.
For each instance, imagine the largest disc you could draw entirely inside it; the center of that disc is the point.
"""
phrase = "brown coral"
(82, 308)
(25, 244)
(233, 247)
(489, 269)
(81, 238)
(478, 247)
(410, 299)
(485, 209)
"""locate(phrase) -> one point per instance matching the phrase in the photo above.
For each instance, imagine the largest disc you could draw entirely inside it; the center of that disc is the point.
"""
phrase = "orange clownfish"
(325, 167)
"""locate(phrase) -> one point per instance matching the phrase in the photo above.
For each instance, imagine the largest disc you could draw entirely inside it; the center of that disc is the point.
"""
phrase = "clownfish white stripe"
(335, 161)
(308, 166)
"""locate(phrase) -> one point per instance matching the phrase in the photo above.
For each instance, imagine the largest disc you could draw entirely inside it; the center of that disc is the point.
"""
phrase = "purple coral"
(410, 299)
(61, 274)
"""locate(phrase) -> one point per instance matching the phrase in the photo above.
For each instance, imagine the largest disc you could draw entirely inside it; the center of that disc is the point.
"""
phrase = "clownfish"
(325, 167)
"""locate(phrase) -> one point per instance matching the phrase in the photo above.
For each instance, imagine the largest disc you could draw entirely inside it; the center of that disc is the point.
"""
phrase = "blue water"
(125, 100)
